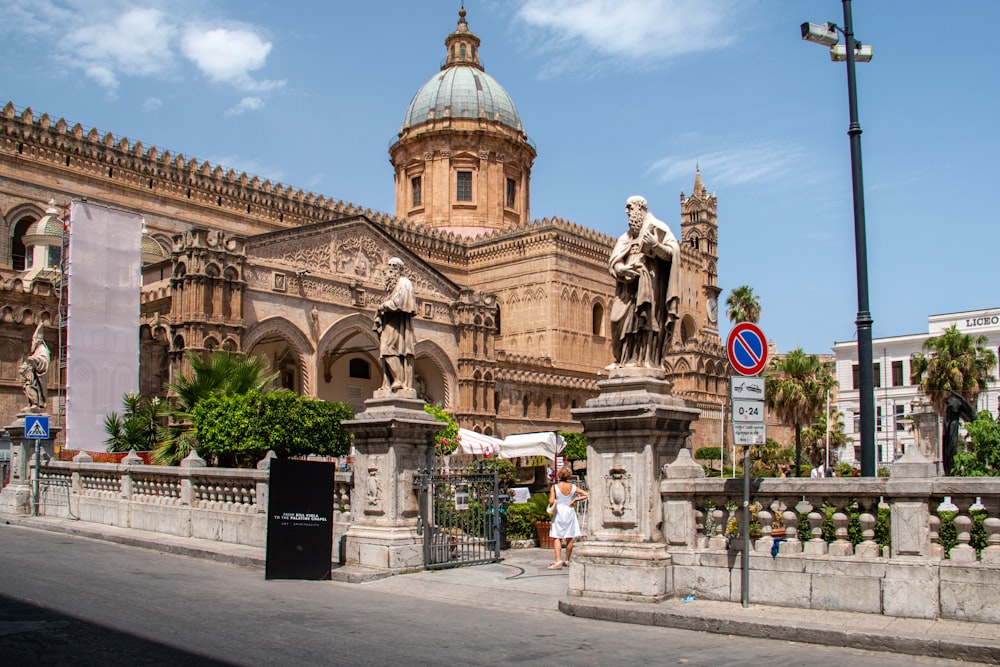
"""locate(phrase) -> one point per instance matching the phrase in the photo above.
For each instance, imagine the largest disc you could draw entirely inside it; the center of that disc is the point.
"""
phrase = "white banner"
(102, 337)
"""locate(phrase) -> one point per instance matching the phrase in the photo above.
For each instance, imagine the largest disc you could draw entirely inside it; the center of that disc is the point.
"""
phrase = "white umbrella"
(477, 443)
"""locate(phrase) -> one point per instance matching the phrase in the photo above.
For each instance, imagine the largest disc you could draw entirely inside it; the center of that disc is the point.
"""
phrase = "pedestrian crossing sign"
(36, 427)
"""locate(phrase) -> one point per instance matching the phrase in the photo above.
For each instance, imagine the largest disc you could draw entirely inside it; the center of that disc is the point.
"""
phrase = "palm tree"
(743, 305)
(219, 372)
(139, 426)
(957, 362)
(814, 438)
(795, 388)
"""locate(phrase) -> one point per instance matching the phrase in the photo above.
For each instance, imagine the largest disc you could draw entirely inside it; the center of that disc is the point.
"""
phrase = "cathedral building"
(513, 319)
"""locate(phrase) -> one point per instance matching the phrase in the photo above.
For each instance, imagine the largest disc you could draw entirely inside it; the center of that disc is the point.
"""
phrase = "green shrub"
(521, 517)
(708, 454)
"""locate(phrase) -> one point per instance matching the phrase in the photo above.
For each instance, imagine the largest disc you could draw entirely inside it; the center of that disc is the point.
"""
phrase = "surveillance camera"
(825, 34)
(302, 272)
(862, 53)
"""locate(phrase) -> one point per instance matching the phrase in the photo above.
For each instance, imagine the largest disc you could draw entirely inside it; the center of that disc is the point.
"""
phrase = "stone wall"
(917, 574)
(218, 504)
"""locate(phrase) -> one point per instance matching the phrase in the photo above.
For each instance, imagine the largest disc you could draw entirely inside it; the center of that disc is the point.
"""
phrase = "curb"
(964, 648)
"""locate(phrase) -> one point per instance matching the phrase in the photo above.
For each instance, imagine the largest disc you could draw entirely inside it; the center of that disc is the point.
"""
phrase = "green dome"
(462, 92)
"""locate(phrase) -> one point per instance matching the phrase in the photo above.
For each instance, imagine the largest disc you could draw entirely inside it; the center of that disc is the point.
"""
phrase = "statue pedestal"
(15, 498)
(393, 438)
(634, 428)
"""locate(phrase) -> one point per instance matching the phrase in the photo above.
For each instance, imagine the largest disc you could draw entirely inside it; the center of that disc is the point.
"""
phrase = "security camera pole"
(827, 35)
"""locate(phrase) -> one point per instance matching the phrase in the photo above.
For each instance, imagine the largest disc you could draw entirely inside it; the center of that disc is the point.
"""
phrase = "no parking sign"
(747, 348)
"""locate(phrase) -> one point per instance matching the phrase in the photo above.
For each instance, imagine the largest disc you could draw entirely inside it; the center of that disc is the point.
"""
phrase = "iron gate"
(461, 517)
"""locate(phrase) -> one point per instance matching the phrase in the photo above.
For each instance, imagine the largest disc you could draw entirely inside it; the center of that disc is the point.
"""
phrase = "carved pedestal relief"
(619, 506)
(373, 491)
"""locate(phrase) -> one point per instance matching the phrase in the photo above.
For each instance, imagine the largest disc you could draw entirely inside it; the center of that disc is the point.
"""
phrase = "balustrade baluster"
(765, 540)
(792, 543)
(991, 554)
(937, 551)
(841, 545)
(868, 548)
(963, 552)
(816, 546)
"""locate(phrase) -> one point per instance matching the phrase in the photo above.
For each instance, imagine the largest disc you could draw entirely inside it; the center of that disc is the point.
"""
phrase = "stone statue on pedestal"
(955, 407)
(646, 265)
(394, 325)
(33, 371)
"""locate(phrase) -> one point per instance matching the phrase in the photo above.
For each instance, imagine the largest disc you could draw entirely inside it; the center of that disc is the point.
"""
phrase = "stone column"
(393, 438)
(909, 487)
(15, 498)
(910, 586)
(926, 430)
(634, 428)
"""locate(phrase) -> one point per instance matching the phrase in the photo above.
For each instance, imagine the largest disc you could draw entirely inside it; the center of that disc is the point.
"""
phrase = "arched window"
(524, 406)
(461, 51)
(18, 254)
(548, 408)
(597, 320)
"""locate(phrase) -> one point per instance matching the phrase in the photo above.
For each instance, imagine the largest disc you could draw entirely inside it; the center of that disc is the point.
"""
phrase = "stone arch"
(434, 367)
(16, 223)
(348, 369)
(688, 329)
(284, 348)
(597, 317)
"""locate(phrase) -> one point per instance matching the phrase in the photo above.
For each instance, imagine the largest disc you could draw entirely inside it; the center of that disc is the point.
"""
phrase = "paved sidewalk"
(521, 581)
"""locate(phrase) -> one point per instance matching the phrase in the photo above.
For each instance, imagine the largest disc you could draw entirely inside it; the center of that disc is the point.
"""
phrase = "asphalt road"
(68, 600)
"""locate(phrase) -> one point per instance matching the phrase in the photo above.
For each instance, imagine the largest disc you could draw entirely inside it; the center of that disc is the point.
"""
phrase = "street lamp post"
(827, 35)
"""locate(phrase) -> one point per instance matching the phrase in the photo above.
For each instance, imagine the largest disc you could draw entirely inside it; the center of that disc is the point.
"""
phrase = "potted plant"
(543, 521)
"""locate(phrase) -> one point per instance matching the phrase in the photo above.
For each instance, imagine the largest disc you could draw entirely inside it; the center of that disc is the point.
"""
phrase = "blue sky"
(620, 97)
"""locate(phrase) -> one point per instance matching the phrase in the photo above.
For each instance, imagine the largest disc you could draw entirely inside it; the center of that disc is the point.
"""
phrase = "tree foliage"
(743, 305)
(795, 391)
(953, 361)
(576, 446)
(447, 440)
(981, 457)
(140, 426)
(215, 374)
(768, 459)
(239, 429)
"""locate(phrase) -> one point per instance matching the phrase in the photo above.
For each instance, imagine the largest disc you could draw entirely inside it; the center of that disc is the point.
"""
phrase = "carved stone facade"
(512, 321)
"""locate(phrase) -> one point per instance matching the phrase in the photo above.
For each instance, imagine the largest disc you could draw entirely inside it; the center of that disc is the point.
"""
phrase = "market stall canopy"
(477, 443)
(547, 444)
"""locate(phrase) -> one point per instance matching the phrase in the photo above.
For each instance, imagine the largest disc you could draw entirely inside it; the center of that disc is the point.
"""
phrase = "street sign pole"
(747, 351)
(36, 427)
(37, 486)
(745, 530)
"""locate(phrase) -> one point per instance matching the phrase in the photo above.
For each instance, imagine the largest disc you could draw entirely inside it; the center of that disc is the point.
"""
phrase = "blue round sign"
(747, 348)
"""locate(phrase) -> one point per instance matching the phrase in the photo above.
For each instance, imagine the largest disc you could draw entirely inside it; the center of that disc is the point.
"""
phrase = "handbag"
(551, 509)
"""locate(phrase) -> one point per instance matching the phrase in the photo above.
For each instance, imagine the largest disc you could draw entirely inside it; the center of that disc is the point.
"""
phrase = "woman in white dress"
(565, 525)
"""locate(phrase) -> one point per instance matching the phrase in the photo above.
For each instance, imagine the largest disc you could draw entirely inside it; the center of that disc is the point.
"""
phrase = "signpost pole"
(745, 531)
(747, 351)
(37, 485)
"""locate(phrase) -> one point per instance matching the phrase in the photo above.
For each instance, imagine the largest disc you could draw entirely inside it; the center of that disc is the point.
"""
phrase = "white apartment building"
(894, 393)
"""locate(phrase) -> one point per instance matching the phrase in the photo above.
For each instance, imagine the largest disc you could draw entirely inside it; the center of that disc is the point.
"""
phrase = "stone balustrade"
(917, 546)
(190, 500)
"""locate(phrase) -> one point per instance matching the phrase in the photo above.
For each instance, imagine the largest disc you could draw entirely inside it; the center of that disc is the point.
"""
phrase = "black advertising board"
(299, 520)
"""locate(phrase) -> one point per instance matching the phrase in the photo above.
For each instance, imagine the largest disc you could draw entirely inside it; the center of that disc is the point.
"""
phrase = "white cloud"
(734, 164)
(109, 41)
(136, 42)
(228, 56)
(152, 104)
(244, 105)
(647, 32)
